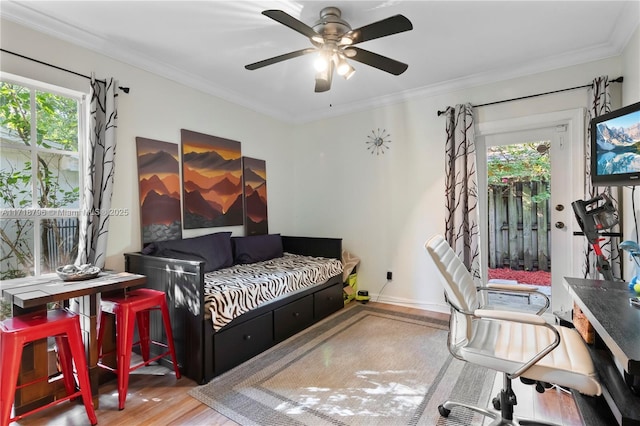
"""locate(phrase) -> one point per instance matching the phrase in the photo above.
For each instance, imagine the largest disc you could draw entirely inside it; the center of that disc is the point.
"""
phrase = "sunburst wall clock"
(378, 141)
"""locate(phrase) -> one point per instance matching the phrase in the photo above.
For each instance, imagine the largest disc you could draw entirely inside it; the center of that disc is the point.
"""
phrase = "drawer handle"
(296, 314)
(247, 337)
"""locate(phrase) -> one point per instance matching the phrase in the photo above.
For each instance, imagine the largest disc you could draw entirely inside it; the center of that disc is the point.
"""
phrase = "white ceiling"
(454, 44)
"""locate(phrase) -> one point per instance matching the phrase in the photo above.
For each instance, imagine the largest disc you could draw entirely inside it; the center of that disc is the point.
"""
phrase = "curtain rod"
(124, 89)
(617, 80)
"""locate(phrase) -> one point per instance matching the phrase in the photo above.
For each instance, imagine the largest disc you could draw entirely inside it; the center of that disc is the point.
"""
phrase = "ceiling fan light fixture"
(349, 53)
(350, 72)
(342, 67)
(323, 79)
(346, 41)
(322, 62)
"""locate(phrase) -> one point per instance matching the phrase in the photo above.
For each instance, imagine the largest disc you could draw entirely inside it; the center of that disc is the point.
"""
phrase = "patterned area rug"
(362, 366)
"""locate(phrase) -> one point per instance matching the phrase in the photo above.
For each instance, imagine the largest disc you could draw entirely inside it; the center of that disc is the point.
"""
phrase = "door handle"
(559, 225)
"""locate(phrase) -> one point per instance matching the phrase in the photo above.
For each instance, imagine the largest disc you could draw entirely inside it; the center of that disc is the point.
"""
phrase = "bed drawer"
(243, 341)
(293, 317)
(327, 301)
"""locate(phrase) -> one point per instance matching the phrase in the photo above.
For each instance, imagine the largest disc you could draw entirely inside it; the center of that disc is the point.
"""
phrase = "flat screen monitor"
(615, 147)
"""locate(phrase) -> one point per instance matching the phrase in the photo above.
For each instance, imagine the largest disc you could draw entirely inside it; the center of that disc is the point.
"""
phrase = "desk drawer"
(293, 317)
(241, 342)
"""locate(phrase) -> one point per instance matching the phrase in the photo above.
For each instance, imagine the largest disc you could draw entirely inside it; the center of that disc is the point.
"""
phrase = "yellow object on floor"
(350, 288)
(349, 275)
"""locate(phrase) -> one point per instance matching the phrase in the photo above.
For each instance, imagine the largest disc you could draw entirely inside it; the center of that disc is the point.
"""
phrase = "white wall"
(322, 180)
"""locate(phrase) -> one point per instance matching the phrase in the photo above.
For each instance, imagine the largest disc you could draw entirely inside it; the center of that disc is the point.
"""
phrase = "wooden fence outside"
(59, 242)
(519, 228)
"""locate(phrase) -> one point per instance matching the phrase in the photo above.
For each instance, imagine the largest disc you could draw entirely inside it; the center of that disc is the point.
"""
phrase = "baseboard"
(410, 303)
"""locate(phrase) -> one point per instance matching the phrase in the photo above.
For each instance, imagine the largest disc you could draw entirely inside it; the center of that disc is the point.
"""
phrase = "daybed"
(218, 326)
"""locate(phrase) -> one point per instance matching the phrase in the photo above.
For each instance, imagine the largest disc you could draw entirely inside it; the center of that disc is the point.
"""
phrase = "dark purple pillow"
(256, 248)
(214, 249)
(149, 249)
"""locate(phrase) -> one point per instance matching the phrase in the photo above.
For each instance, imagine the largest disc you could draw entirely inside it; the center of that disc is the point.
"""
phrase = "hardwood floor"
(554, 405)
(156, 398)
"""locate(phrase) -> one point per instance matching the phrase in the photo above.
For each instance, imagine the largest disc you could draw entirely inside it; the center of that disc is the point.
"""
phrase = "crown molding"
(626, 25)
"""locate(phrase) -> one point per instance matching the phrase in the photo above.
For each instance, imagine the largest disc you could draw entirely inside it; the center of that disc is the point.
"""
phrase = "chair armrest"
(512, 288)
(523, 317)
(526, 318)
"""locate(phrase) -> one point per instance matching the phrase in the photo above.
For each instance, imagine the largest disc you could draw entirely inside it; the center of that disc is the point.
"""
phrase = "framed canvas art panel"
(254, 178)
(212, 181)
(158, 190)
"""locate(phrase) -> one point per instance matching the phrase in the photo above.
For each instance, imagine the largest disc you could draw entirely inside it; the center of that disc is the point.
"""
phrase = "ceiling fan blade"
(291, 22)
(377, 61)
(392, 25)
(279, 58)
(322, 85)
(323, 79)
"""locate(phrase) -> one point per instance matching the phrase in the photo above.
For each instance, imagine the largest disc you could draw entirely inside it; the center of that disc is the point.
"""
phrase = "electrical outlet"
(389, 275)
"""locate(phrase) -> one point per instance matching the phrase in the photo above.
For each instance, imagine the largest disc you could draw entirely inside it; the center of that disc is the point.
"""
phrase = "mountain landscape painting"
(212, 181)
(254, 178)
(158, 190)
(618, 145)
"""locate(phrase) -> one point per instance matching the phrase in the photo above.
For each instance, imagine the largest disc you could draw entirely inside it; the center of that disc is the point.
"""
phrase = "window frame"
(34, 212)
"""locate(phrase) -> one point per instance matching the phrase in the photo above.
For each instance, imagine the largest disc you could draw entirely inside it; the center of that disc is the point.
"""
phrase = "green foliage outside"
(5, 309)
(524, 162)
(57, 129)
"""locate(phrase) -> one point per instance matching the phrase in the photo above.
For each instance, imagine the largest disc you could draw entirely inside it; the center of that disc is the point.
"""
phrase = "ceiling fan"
(334, 40)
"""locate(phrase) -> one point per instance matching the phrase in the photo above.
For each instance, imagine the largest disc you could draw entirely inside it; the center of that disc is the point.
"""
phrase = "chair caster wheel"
(444, 412)
(496, 403)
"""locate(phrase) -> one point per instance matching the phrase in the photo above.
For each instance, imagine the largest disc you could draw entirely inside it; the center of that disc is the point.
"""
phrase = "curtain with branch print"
(600, 103)
(462, 217)
(98, 173)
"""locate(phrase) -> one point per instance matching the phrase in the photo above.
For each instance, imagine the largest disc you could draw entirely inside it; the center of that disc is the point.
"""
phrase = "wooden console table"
(33, 294)
(616, 350)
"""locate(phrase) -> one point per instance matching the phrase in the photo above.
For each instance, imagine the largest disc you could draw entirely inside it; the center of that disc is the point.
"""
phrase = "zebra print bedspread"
(230, 292)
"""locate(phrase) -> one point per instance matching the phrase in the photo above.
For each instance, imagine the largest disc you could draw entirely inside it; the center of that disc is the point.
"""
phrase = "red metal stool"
(18, 331)
(139, 302)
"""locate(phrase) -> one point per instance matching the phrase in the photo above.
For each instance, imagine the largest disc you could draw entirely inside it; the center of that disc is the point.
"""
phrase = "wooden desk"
(82, 297)
(616, 351)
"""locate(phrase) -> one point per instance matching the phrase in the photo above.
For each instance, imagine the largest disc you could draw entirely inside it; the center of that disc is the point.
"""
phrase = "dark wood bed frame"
(203, 353)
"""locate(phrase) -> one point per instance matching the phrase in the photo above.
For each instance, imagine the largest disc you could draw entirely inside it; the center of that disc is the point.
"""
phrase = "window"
(40, 180)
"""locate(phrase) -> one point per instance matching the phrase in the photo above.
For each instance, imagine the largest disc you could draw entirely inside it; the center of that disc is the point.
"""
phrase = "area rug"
(361, 366)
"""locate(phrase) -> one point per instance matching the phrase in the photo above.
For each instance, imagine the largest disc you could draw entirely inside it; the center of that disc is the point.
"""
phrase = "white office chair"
(518, 344)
